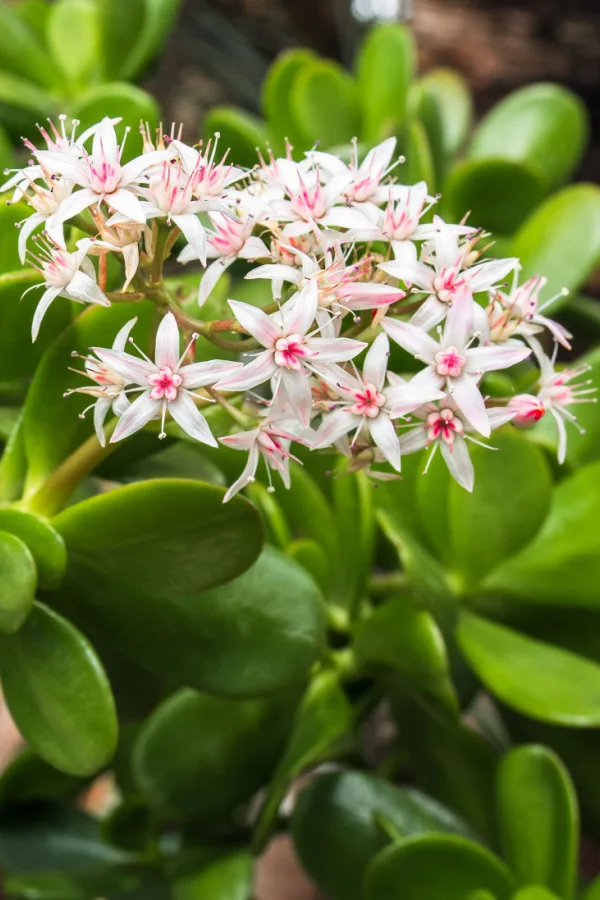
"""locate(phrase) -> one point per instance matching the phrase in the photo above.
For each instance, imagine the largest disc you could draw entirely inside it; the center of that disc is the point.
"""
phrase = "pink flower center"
(368, 402)
(450, 362)
(443, 425)
(165, 383)
(446, 284)
(308, 203)
(399, 224)
(230, 237)
(290, 351)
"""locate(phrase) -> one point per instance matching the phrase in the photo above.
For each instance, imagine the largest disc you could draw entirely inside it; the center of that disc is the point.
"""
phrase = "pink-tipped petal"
(211, 277)
(261, 369)
(127, 204)
(188, 417)
(167, 343)
(489, 359)
(376, 361)
(247, 475)
(133, 369)
(459, 462)
(334, 426)
(467, 397)
(120, 341)
(335, 349)
(410, 273)
(141, 411)
(42, 308)
(297, 387)
(101, 408)
(459, 321)
(385, 437)
(73, 205)
(203, 373)
(413, 339)
(194, 233)
(256, 322)
(487, 274)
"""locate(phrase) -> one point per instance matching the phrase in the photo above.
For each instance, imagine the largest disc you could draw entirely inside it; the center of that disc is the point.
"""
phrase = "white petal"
(211, 276)
(244, 440)
(335, 349)
(105, 142)
(459, 462)
(42, 308)
(127, 204)
(486, 274)
(413, 339)
(299, 312)
(131, 368)
(131, 257)
(404, 398)
(384, 435)
(447, 253)
(277, 270)
(488, 359)
(500, 415)
(378, 159)
(28, 226)
(413, 440)
(120, 342)
(344, 217)
(202, 373)
(73, 205)
(370, 296)
(562, 436)
(247, 475)
(132, 170)
(430, 313)
(256, 322)
(376, 361)
(167, 343)
(467, 397)
(459, 321)
(188, 155)
(194, 233)
(297, 387)
(101, 408)
(85, 290)
(410, 272)
(136, 416)
(405, 252)
(254, 248)
(188, 417)
(334, 426)
(328, 162)
(297, 229)
(261, 369)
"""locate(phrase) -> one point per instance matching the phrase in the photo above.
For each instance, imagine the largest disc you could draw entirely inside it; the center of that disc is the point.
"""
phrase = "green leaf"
(345, 812)
(498, 193)
(561, 565)
(52, 426)
(449, 761)
(275, 93)
(525, 124)
(229, 877)
(312, 558)
(534, 892)
(34, 13)
(159, 17)
(593, 891)
(118, 99)
(445, 107)
(72, 31)
(538, 819)
(11, 267)
(20, 50)
(561, 240)
(7, 157)
(18, 581)
(243, 133)
(120, 25)
(323, 718)
(44, 542)
(385, 68)
(407, 639)
(199, 757)
(419, 158)
(28, 778)
(139, 558)
(355, 527)
(536, 679)
(58, 693)
(434, 866)
(18, 355)
(504, 512)
(13, 465)
(324, 103)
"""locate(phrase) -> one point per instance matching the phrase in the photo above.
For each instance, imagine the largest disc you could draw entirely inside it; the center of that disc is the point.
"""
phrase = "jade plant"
(335, 473)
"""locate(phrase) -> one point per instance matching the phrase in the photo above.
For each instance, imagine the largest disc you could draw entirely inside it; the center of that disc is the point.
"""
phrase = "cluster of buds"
(357, 262)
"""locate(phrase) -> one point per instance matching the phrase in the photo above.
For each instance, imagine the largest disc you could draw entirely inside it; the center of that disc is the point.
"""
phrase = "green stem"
(237, 415)
(384, 583)
(160, 253)
(60, 484)
(83, 225)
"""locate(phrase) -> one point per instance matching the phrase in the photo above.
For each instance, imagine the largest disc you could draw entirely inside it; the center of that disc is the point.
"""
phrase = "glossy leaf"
(434, 866)
(532, 677)
(72, 30)
(538, 819)
(312, 558)
(275, 93)
(324, 103)
(118, 99)
(561, 566)
(525, 124)
(405, 638)
(229, 877)
(351, 814)
(28, 778)
(419, 157)
(120, 25)
(18, 581)
(384, 70)
(593, 891)
(243, 133)
(11, 268)
(20, 93)
(21, 51)
(44, 542)
(500, 193)
(561, 240)
(323, 718)
(198, 757)
(445, 108)
(535, 892)
(159, 16)
(355, 526)
(504, 512)
(13, 464)
(58, 693)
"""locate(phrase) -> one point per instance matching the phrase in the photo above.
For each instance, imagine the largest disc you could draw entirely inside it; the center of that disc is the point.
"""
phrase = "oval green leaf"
(538, 819)
(229, 877)
(434, 866)
(446, 109)
(58, 693)
(561, 240)
(199, 757)
(72, 31)
(525, 124)
(275, 94)
(159, 16)
(385, 68)
(241, 132)
(45, 543)
(352, 815)
(324, 103)
(131, 103)
(561, 566)
(534, 892)
(537, 679)
(20, 50)
(18, 581)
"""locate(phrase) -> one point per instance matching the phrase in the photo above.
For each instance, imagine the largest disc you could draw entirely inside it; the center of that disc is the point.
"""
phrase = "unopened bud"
(528, 409)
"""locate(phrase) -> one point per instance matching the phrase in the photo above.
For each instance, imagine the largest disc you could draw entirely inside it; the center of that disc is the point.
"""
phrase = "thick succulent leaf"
(229, 877)
(73, 35)
(241, 132)
(275, 93)
(18, 582)
(385, 68)
(324, 103)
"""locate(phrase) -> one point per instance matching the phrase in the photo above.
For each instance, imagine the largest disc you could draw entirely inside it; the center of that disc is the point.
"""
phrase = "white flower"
(65, 274)
(167, 385)
(291, 352)
(453, 362)
(368, 405)
(211, 179)
(519, 313)
(441, 426)
(445, 275)
(231, 240)
(364, 188)
(101, 176)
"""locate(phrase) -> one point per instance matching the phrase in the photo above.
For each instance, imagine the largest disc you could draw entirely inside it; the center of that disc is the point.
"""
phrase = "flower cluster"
(360, 269)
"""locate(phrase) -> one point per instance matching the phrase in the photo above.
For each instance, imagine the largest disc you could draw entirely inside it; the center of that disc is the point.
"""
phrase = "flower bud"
(528, 409)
